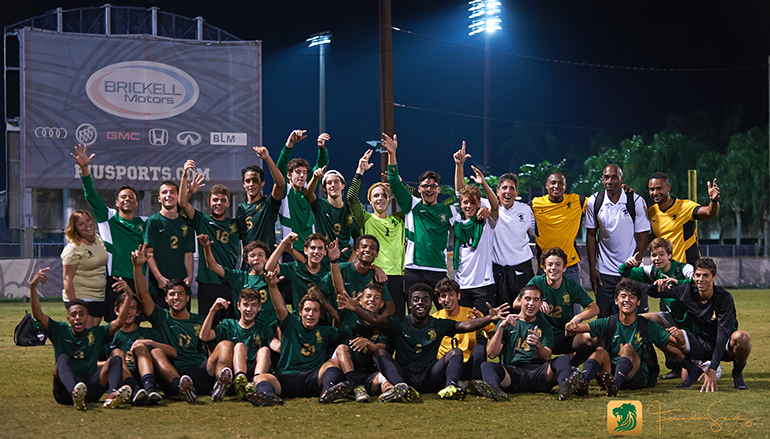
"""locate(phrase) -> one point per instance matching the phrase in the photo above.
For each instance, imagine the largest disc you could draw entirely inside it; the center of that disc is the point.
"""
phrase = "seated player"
(190, 372)
(245, 340)
(77, 379)
(355, 356)
(474, 353)
(715, 335)
(560, 295)
(302, 370)
(417, 339)
(523, 343)
(133, 343)
(663, 272)
(628, 360)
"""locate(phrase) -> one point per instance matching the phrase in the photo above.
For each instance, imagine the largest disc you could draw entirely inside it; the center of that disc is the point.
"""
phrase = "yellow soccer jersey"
(678, 225)
(557, 224)
(467, 341)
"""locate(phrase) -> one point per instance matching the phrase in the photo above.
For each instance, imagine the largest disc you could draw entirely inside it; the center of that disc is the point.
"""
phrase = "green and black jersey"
(183, 335)
(224, 244)
(170, 240)
(304, 349)
(83, 350)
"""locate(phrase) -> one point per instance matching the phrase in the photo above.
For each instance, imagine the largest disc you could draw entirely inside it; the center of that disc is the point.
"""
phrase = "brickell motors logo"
(86, 134)
(142, 90)
(624, 418)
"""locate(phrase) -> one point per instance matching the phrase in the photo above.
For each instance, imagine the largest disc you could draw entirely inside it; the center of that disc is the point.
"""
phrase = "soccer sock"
(478, 357)
(738, 375)
(239, 374)
(388, 368)
(581, 355)
(134, 385)
(174, 390)
(265, 387)
(623, 368)
(332, 376)
(493, 373)
(65, 373)
(353, 378)
(454, 369)
(115, 374)
(693, 372)
(590, 369)
(562, 368)
(148, 382)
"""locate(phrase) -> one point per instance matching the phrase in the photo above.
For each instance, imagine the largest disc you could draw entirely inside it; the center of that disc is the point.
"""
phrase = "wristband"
(715, 201)
(334, 261)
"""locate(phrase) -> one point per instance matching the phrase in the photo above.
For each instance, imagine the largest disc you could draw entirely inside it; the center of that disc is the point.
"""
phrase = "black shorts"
(300, 385)
(362, 379)
(636, 382)
(562, 344)
(702, 349)
(202, 381)
(529, 379)
(64, 396)
(95, 309)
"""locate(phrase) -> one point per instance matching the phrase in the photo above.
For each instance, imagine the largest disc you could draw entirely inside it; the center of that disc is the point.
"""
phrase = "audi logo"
(50, 133)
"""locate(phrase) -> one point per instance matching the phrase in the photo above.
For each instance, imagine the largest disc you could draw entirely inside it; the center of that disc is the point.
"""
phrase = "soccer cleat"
(117, 397)
(251, 388)
(452, 392)
(335, 392)
(395, 393)
(154, 398)
(187, 389)
(487, 390)
(410, 395)
(672, 375)
(224, 379)
(79, 396)
(262, 399)
(582, 389)
(571, 385)
(140, 397)
(240, 386)
(361, 395)
(609, 384)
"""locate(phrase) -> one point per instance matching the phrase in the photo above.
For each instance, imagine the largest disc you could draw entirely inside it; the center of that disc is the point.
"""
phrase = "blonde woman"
(84, 265)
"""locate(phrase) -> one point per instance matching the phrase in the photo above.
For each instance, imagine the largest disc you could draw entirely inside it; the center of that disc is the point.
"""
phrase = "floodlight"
(484, 16)
(319, 38)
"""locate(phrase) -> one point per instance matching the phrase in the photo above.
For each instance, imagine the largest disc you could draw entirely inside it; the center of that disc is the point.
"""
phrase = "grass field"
(29, 410)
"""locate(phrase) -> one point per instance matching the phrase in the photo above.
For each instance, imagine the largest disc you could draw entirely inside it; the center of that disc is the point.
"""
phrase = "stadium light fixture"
(484, 15)
(319, 39)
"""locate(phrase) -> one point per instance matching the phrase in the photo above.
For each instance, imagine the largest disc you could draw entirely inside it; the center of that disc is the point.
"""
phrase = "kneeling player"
(133, 343)
(628, 360)
(77, 379)
(523, 343)
(243, 342)
(302, 367)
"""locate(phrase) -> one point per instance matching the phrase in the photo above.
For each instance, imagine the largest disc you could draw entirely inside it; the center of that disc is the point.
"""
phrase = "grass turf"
(29, 409)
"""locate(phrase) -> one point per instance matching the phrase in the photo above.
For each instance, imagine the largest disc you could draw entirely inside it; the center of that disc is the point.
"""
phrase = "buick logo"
(189, 138)
(50, 133)
(158, 137)
(86, 134)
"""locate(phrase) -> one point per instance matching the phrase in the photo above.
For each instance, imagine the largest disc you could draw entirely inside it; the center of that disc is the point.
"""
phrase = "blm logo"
(624, 418)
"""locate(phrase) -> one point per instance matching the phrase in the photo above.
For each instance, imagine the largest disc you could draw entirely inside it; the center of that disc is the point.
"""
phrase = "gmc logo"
(120, 135)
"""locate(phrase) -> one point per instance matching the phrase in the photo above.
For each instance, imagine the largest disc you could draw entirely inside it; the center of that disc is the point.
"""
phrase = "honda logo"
(189, 138)
(158, 137)
(86, 134)
(50, 133)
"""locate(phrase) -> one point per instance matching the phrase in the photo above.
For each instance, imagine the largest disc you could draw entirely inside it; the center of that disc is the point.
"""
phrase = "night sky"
(718, 50)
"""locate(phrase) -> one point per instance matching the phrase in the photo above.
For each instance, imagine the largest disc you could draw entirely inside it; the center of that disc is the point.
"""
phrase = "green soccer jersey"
(183, 335)
(253, 338)
(170, 240)
(427, 227)
(335, 223)
(418, 346)
(656, 334)
(302, 281)
(225, 246)
(256, 221)
(123, 340)
(120, 237)
(516, 351)
(389, 231)
(561, 300)
(351, 327)
(649, 274)
(83, 350)
(354, 281)
(240, 279)
(304, 349)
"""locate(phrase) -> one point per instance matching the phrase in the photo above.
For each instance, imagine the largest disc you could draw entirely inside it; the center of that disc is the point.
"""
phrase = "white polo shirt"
(511, 240)
(616, 230)
(475, 268)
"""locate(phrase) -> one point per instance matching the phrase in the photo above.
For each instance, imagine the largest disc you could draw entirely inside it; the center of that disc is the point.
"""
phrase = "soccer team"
(341, 305)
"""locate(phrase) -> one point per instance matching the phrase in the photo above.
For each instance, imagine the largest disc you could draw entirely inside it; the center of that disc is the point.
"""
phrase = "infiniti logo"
(158, 137)
(86, 134)
(50, 133)
(189, 138)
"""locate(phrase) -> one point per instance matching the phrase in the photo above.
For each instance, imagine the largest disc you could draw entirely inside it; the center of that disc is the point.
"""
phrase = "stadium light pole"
(485, 17)
(321, 39)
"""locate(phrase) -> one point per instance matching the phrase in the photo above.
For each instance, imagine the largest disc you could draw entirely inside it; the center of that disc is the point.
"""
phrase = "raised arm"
(712, 210)
(207, 332)
(346, 302)
(354, 201)
(477, 323)
(333, 251)
(184, 196)
(496, 343)
(37, 311)
(459, 157)
(318, 175)
(101, 211)
(323, 153)
(283, 159)
(275, 295)
(138, 258)
(211, 262)
(284, 246)
(119, 322)
(494, 203)
(279, 182)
